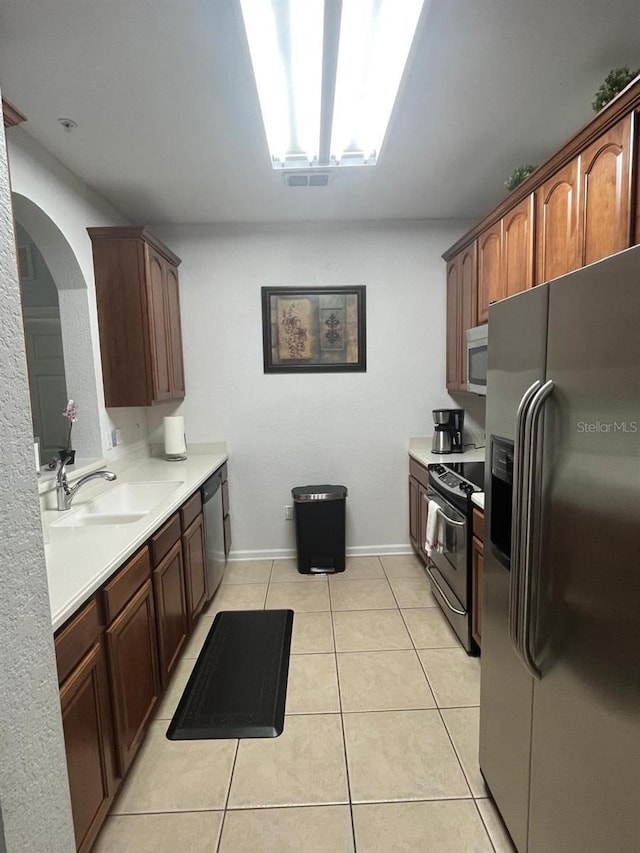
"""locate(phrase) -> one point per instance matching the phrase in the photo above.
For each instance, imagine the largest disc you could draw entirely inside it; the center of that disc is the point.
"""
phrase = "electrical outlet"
(107, 436)
(114, 438)
(288, 513)
(118, 436)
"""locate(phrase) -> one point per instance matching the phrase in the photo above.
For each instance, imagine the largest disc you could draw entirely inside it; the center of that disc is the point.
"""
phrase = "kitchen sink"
(120, 504)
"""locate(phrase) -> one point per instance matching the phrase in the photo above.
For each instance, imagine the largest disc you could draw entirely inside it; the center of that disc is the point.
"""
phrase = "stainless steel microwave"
(477, 349)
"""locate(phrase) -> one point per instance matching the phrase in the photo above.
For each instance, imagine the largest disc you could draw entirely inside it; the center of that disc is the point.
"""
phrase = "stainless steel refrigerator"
(560, 692)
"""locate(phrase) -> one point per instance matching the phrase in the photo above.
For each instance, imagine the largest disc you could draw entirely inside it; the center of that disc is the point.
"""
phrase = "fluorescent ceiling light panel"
(375, 39)
(285, 41)
(365, 51)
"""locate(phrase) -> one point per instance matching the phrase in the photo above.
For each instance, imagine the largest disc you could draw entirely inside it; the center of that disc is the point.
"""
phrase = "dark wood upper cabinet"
(517, 248)
(138, 317)
(453, 315)
(605, 194)
(557, 250)
(462, 314)
(490, 284)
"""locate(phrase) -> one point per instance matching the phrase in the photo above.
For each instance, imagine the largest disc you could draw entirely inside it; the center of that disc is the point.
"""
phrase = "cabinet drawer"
(419, 472)
(223, 472)
(478, 524)
(126, 583)
(225, 498)
(164, 540)
(75, 640)
(190, 510)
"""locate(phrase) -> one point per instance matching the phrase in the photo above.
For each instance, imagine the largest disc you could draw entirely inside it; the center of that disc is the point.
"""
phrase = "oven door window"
(477, 365)
(452, 560)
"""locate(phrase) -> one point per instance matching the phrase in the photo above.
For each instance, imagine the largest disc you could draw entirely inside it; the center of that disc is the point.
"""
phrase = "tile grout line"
(344, 736)
(226, 802)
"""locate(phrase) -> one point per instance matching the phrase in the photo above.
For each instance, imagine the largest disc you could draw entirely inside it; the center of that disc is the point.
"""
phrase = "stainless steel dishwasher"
(211, 493)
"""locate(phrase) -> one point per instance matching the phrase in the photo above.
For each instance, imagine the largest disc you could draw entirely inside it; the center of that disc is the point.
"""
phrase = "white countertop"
(420, 450)
(80, 559)
(477, 498)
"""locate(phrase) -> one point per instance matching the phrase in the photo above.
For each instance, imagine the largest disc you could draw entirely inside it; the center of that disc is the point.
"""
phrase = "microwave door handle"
(531, 529)
(519, 452)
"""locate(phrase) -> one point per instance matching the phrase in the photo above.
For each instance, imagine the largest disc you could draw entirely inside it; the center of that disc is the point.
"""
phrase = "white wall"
(288, 430)
(34, 794)
(56, 208)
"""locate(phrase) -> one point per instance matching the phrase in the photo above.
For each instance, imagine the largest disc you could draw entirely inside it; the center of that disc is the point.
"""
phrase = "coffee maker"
(447, 433)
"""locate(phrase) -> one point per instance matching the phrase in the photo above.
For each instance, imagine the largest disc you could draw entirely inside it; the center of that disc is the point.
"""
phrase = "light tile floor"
(379, 749)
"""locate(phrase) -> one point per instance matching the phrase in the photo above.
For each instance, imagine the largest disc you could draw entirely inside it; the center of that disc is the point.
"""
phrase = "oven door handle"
(444, 515)
(444, 595)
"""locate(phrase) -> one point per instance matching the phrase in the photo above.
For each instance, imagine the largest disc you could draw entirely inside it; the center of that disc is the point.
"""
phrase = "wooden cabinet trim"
(478, 524)
(419, 472)
(74, 640)
(190, 510)
(125, 583)
(626, 102)
(135, 232)
(164, 539)
(11, 115)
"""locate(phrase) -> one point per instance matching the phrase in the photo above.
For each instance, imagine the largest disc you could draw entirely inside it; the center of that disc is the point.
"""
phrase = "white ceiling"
(169, 128)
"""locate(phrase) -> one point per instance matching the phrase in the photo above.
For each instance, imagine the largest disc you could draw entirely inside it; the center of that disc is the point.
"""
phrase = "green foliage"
(518, 175)
(614, 82)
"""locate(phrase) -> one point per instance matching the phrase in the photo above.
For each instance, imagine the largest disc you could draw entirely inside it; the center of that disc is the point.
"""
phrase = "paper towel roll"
(174, 438)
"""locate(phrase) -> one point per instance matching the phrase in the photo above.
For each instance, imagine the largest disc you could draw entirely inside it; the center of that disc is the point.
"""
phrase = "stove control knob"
(467, 488)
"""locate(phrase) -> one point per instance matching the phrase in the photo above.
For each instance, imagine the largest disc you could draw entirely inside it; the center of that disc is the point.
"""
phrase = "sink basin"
(123, 503)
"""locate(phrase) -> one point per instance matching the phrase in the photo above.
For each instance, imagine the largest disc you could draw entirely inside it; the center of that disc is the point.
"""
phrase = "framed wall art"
(314, 329)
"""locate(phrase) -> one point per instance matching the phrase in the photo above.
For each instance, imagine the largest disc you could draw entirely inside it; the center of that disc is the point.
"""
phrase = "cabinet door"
(89, 744)
(135, 683)
(477, 568)
(490, 284)
(453, 325)
(195, 569)
(468, 306)
(171, 610)
(158, 326)
(517, 248)
(413, 512)
(174, 332)
(556, 220)
(605, 194)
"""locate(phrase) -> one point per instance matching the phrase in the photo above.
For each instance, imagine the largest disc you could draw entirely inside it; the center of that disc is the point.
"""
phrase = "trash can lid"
(319, 493)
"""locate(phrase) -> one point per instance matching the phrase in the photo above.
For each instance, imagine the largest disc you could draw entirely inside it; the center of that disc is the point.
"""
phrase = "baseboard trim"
(290, 553)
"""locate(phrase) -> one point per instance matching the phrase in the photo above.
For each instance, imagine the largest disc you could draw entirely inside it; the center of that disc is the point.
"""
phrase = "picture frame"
(314, 329)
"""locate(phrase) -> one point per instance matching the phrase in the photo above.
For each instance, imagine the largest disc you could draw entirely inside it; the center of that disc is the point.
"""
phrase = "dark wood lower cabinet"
(88, 734)
(195, 568)
(134, 678)
(171, 610)
(111, 678)
(418, 481)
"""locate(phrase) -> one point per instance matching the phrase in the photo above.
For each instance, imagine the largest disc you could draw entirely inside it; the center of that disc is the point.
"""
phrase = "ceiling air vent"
(307, 179)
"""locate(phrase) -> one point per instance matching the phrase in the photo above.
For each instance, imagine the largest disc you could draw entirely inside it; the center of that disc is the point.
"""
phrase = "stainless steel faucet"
(66, 493)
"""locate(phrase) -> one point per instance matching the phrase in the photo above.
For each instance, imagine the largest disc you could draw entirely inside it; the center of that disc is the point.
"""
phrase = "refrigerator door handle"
(519, 475)
(532, 436)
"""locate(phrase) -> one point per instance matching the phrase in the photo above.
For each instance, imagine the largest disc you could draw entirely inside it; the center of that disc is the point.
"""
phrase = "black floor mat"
(238, 686)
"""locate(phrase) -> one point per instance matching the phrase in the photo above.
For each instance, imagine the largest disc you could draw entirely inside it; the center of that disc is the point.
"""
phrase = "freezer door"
(585, 772)
(517, 347)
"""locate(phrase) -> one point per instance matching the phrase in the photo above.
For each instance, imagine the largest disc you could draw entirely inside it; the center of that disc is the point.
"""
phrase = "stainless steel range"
(449, 568)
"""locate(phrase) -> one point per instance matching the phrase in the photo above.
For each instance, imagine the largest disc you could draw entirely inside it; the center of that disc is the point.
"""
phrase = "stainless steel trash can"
(319, 513)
